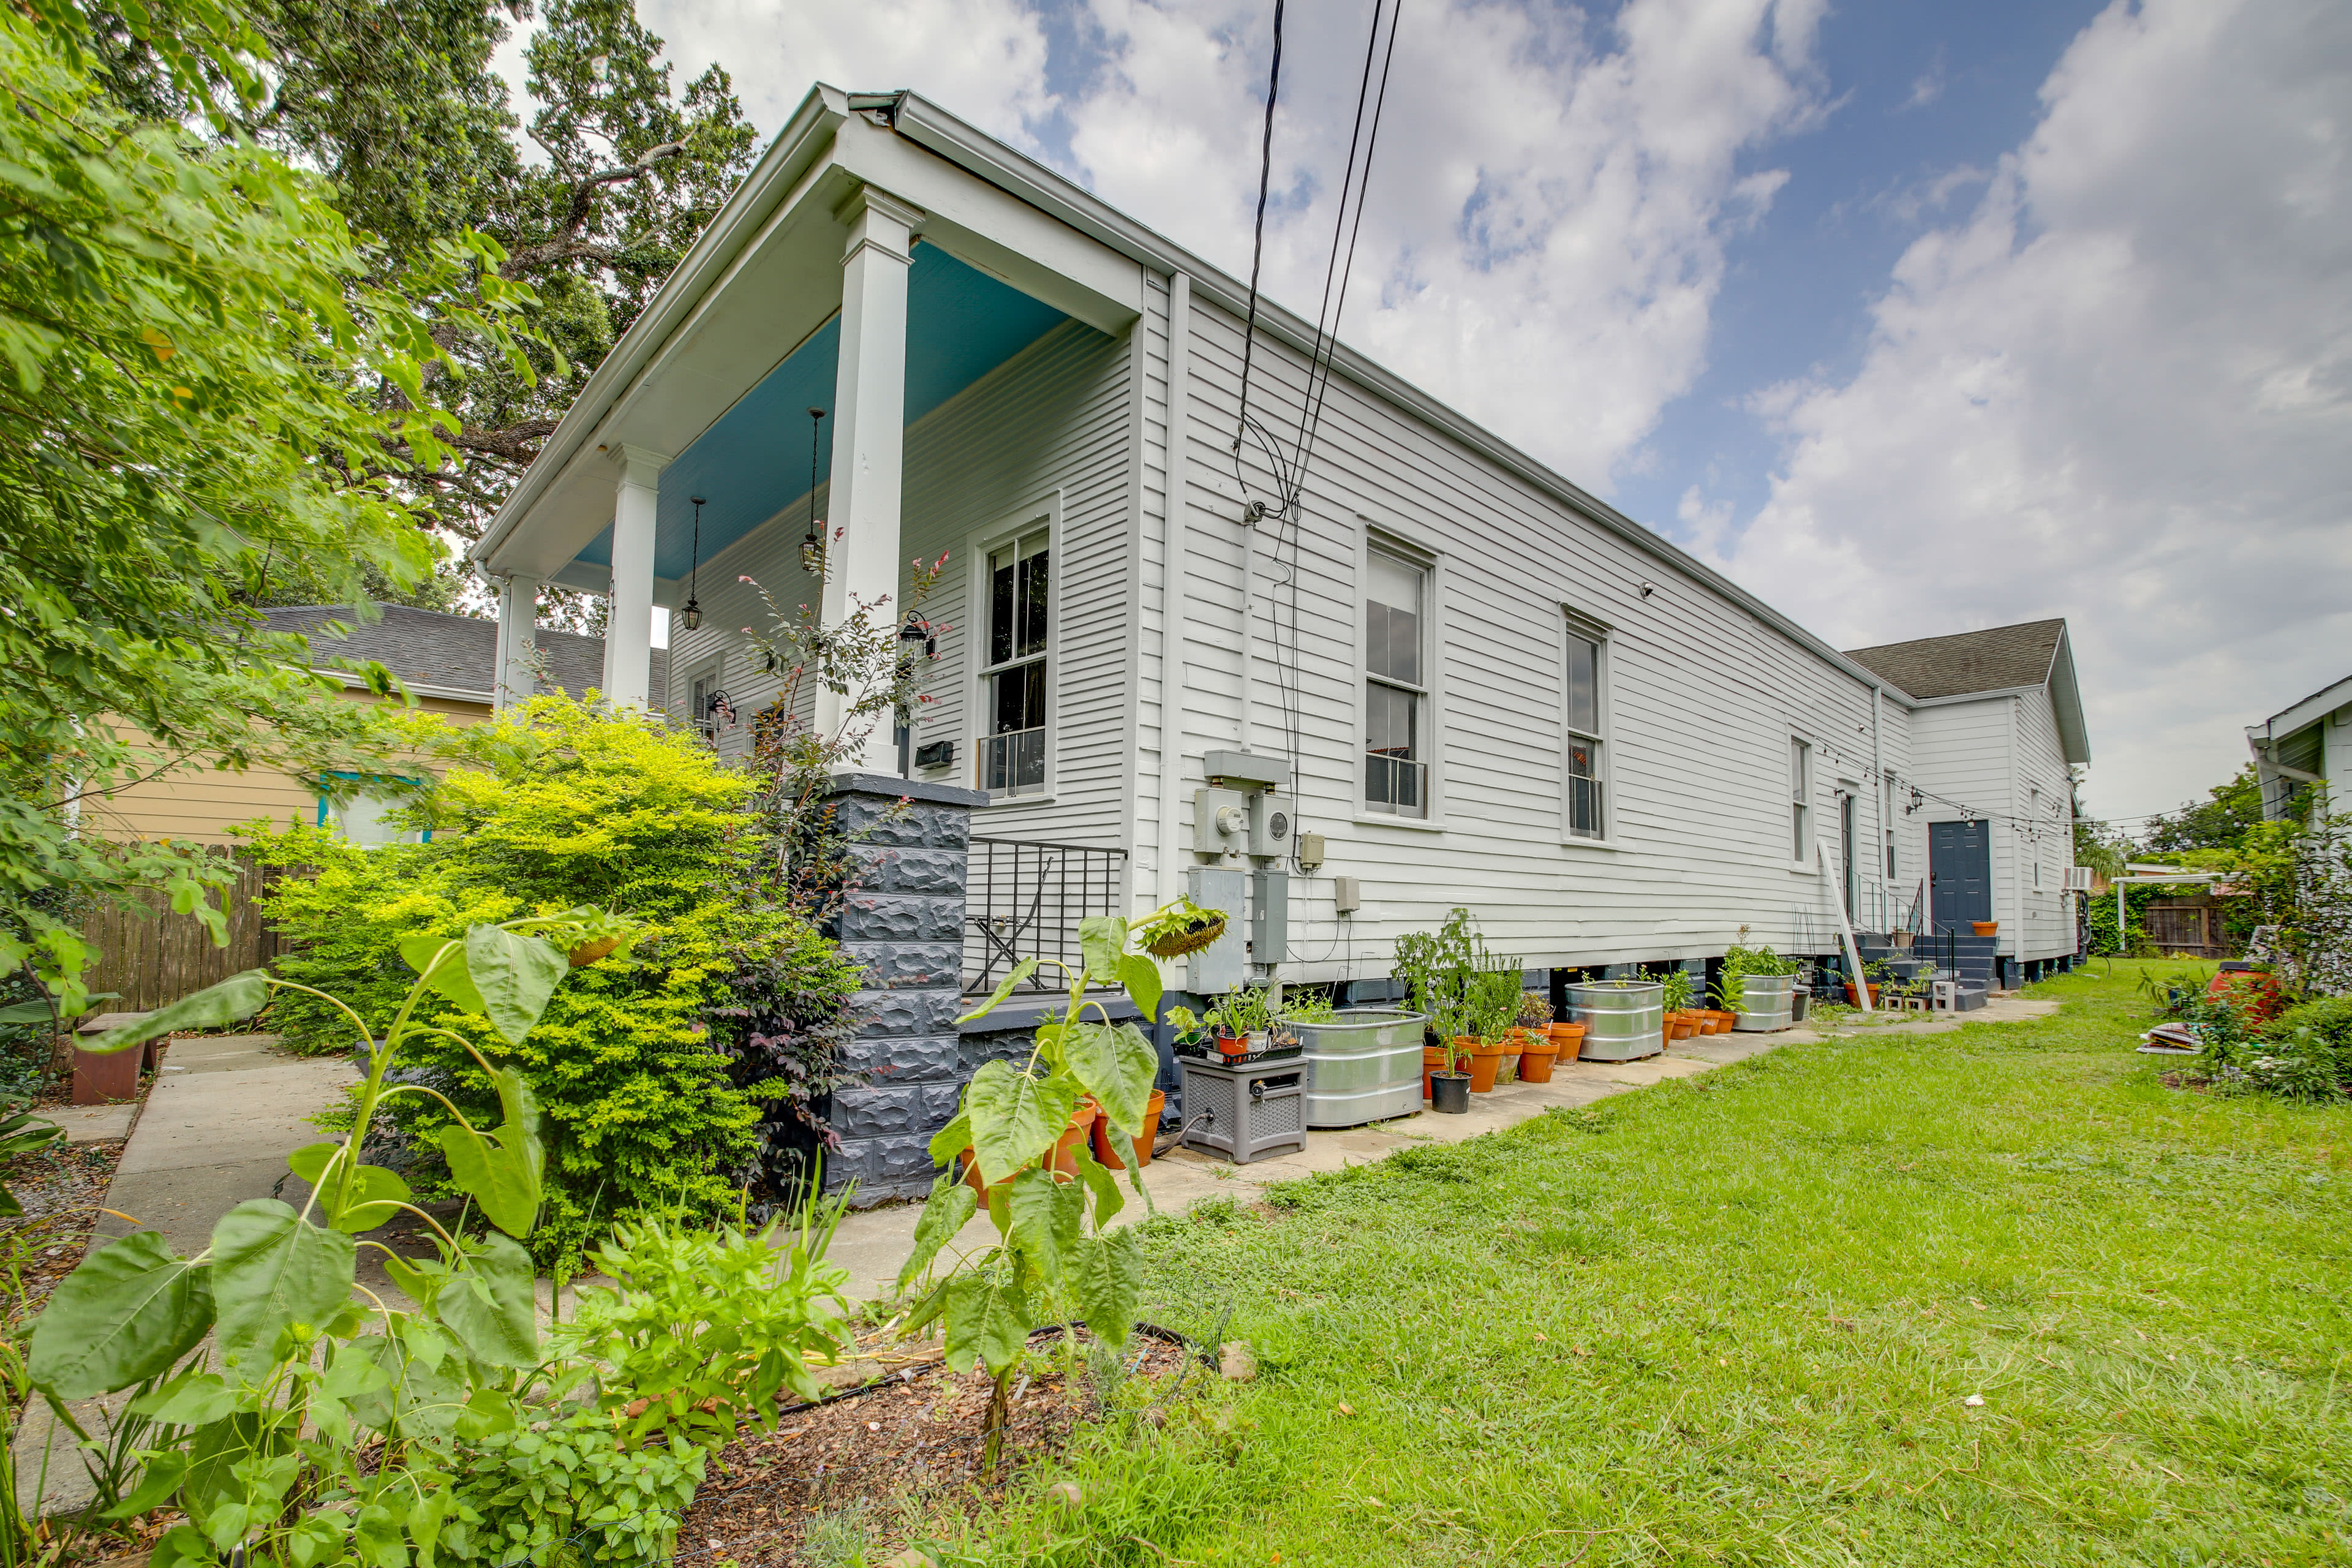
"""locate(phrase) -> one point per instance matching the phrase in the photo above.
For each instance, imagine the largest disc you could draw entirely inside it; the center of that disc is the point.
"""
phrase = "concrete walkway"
(873, 1243)
(225, 1112)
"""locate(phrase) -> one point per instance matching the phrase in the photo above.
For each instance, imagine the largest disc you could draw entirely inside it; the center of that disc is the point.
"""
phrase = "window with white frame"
(1800, 800)
(1015, 681)
(1396, 685)
(1582, 814)
(363, 816)
(703, 700)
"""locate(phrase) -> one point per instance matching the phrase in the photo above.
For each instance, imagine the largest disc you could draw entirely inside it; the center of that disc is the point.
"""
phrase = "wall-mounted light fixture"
(692, 616)
(812, 547)
(1648, 589)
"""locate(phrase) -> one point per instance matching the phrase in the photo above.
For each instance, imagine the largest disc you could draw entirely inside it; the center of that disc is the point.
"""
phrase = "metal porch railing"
(1024, 899)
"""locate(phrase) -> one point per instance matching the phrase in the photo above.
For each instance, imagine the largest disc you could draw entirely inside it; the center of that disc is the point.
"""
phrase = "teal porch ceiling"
(754, 461)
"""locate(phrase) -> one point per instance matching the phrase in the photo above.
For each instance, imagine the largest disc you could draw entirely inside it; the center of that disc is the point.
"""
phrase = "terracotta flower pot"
(1569, 1038)
(1723, 1022)
(1535, 1061)
(1681, 1026)
(1109, 1141)
(1232, 1045)
(1434, 1058)
(1485, 1062)
(1985, 927)
(1853, 1000)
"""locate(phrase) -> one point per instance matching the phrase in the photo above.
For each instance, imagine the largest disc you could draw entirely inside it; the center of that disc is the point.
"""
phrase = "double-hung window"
(1800, 801)
(1013, 683)
(1582, 814)
(363, 817)
(1396, 686)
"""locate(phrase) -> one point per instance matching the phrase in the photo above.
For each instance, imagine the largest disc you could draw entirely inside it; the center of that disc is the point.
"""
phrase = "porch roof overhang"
(717, 373)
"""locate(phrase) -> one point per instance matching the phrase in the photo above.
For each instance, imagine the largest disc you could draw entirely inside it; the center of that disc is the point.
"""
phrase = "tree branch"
(568, 244)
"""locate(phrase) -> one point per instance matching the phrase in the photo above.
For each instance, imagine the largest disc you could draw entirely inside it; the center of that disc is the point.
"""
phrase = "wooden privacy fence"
(154, 957)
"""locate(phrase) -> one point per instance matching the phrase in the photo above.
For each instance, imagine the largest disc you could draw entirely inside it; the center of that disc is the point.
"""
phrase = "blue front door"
(1960, 873)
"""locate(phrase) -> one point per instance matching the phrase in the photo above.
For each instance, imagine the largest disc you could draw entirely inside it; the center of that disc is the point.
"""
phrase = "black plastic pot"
(1449, 1092)
(1800, 998)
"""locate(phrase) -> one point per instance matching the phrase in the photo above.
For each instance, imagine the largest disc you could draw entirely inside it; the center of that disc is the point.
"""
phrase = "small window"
(1584, 815)
(365, 818)
(1013, 685)
(707, 706)
(1800, 798)
(1396, 689)
(1890, 854)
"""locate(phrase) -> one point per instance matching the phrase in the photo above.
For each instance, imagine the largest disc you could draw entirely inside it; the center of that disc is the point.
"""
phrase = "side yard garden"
(1997, 1296)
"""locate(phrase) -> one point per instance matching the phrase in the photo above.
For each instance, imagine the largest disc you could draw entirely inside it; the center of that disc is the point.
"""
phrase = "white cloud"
(2120, 390)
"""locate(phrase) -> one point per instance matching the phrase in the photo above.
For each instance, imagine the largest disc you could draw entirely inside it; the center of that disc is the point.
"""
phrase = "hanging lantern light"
(812, 547)
(691, 617)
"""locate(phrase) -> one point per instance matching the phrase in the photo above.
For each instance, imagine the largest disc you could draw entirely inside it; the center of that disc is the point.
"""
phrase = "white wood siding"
(1988, 758)
(1701, 703)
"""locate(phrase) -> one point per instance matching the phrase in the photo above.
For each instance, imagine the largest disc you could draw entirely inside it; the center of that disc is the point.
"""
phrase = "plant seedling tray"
(1247, 1059)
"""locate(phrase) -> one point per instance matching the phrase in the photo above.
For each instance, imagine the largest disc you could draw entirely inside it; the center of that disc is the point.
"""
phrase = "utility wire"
(1258, 240)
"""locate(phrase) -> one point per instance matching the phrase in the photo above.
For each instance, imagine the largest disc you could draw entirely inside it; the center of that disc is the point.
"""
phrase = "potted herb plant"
(1493, 1003)
(1537, 1049)
(1756, 986)
(1447, 1086)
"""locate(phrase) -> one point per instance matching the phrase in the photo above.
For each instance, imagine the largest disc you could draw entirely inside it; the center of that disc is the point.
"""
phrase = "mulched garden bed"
(889, 1458)
(61, 1189)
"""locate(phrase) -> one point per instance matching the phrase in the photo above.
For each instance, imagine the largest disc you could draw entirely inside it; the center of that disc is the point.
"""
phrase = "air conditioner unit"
(2078, 878)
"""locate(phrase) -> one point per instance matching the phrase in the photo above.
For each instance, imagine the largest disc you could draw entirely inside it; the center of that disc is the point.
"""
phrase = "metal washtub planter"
(1623, 1019)
(1363, 1066)
(1766, 1002)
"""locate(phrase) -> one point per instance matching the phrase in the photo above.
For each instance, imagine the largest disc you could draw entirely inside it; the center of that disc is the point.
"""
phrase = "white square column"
(518, 625)
(629, 621)
(870, 439)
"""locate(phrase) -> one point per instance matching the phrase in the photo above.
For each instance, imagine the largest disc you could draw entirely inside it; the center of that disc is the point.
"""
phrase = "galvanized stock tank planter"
(1623, 1019)
(1766, 1002)
(1364, 1065)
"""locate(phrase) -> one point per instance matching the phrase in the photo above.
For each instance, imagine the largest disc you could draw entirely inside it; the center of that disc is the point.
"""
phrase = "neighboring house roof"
(1998, 658)
(2307, 712)
(448, 656)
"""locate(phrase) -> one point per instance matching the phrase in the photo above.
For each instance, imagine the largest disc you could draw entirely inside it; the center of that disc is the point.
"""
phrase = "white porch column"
(518, 624)
(629, 624)
(870, 435)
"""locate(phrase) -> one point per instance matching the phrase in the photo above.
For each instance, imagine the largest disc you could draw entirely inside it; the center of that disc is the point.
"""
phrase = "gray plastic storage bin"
(1363, 1065)
(1251, 1112)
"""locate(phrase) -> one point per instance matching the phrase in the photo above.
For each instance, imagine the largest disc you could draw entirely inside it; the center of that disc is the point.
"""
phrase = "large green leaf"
(1047, 1215)
(272, 1268)
(1102, 1185)
(489, 1305)
(949, 1208)
(952, 1140)
(1021, 971)
(1015, 1117)
(1103, 938)
(447, 975)
(1141, 978)
(515, 975)
(239, 997)
(127, 1313)
(375, 1195)
(1116, 1065)
(501, 1171)
(983, 1322)
(1109, 1270)
(191, 1399)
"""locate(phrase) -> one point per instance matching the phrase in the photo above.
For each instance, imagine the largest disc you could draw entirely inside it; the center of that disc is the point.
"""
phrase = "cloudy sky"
(1913, 317)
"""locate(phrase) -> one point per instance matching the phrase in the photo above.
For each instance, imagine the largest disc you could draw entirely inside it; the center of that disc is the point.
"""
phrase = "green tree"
(395, 102)
(191, 352)
(2218, 822)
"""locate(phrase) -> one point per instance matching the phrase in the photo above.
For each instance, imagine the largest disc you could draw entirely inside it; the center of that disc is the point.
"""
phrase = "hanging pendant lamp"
(691, 617)
(812, 547)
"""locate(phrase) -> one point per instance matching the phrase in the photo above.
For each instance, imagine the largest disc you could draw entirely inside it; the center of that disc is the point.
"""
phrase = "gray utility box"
(1224, 963)
(1251, 1111)
(1363, 1065)
(1623, 1019)
(1766, 1002)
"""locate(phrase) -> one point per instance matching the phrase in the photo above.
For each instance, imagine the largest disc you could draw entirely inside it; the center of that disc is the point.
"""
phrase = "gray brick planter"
(903, 925)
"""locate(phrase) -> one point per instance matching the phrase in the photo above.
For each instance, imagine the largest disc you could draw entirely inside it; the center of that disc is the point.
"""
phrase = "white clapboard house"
(1458, 678)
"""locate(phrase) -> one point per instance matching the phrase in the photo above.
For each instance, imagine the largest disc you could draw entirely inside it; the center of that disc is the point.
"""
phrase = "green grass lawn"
(1738, 1317)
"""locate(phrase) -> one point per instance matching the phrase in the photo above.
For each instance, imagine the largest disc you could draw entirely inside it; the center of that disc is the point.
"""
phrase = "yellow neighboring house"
(445, 661)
